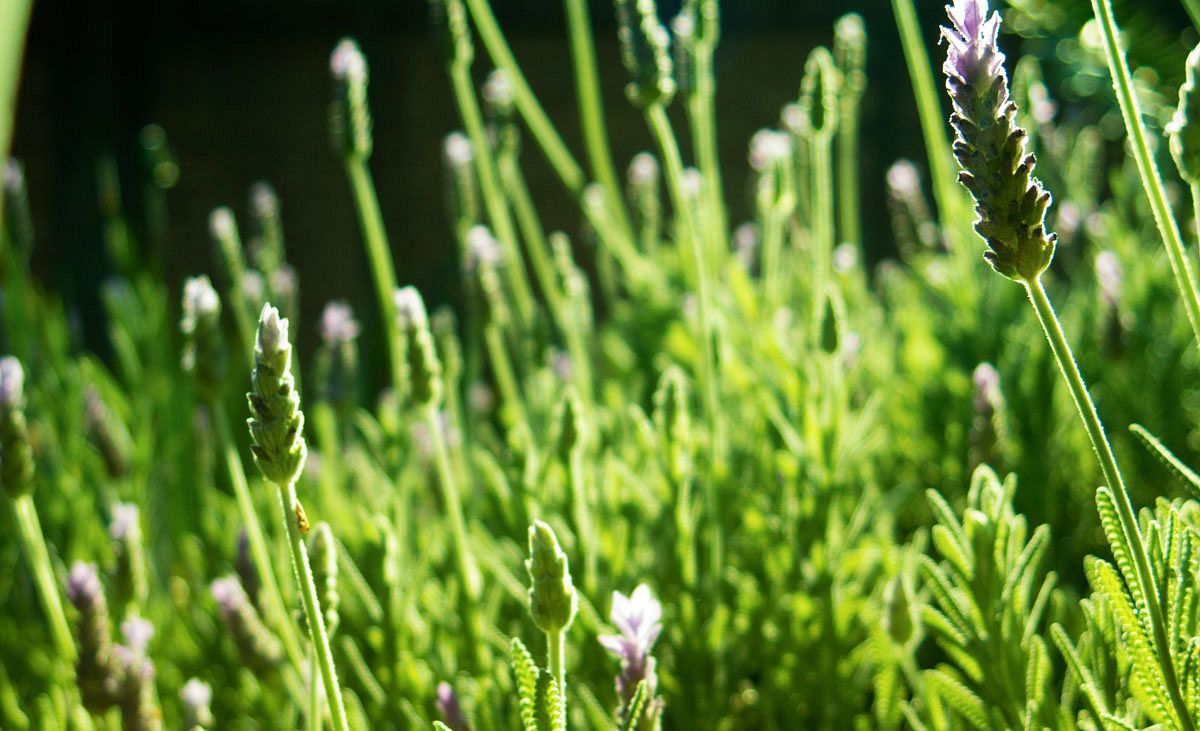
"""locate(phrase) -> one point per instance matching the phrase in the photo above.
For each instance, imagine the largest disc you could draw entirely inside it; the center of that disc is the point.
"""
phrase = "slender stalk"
(933, 119)
(539, 124)
(513, 181)
(312, 605)
(702, 117)
(502, 369)
(582, 517)
(849, 210)
(34, 544)
(14, 20)
(1112, 476)
(379, 254)
(1151, 180)
(314, 695)
(276, 607)
(823, 216)
(557, 660)
(661, 127)
(468, 569)
(591, 109)
(493, 194)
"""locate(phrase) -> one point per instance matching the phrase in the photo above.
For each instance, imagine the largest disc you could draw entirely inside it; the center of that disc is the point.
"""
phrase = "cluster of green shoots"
(734, 422)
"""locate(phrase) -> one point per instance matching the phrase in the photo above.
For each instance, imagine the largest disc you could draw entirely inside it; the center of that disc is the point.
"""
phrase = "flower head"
(638, 617)
(990, 147)
(276, 421)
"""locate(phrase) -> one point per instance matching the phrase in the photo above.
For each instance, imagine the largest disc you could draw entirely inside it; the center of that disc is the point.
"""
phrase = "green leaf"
(527, 674)
(637, 704)
(1190, 479)
(958, 696)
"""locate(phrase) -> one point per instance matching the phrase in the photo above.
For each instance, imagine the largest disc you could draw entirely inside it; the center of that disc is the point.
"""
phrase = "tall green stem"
(14, 20)
(34, 544)
(531, 229)
(849, 213)
(1112, 476)
(591, 109)
(557, 660)
(702, 117)
(312, 605)
(379, 255)
(823, 215)
(493, 195)
(468, 569)
(1151, 180)
(527, 104)
(274, 602)
(933, 119)
(661, 127)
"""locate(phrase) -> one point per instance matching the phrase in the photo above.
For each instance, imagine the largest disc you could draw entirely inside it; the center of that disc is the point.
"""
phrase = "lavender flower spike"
(639, 618)
(450, 709)
(990, 147)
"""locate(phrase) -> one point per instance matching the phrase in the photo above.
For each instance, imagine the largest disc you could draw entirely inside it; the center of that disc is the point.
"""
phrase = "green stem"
(493, 194)
(661, 127)
(14, 21)
(933, 119)
(379, 255)
(848, 187)
(276, 607)
(531, 230)
(591, 109)
(1151, 180)
(527, 104)
(34, 544)
(823, 234)
(314, 695)
(583, 519)
(557, 660)
(1112, 476)
(312, 604)
(467, 568)
(234, 258)
(502, 370)
(702, 117)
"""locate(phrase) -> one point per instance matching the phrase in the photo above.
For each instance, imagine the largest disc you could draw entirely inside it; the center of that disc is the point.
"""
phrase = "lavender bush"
(847, 493)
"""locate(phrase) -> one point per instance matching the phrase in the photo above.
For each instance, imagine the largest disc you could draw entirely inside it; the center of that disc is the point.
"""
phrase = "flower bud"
(1184, 128)
(350, 115)
(266, 246)
(645, 53)
(16, 453)
(552, 599)
(990, 146)
(96, 671)
(130, 586)
(197, 705)
(450, 709)
(850, 53)
(462, 191)
(276, 422)
(818, 94)
(18, 221)
(257, 646)
(422, 367)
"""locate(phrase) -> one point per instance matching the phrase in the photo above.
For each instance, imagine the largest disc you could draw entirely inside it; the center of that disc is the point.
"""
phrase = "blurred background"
(241, 89)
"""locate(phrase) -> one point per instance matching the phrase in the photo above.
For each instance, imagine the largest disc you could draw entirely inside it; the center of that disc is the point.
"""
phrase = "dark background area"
(242, 91)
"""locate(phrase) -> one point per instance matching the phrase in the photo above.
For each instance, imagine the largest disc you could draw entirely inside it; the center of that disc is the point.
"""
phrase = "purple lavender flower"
(96, 669)
(990, 147)
(12, 381)
(639, 619)
(450, 709)
(259, 648)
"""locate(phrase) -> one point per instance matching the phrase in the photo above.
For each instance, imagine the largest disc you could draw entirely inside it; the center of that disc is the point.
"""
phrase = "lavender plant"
(737, 419)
